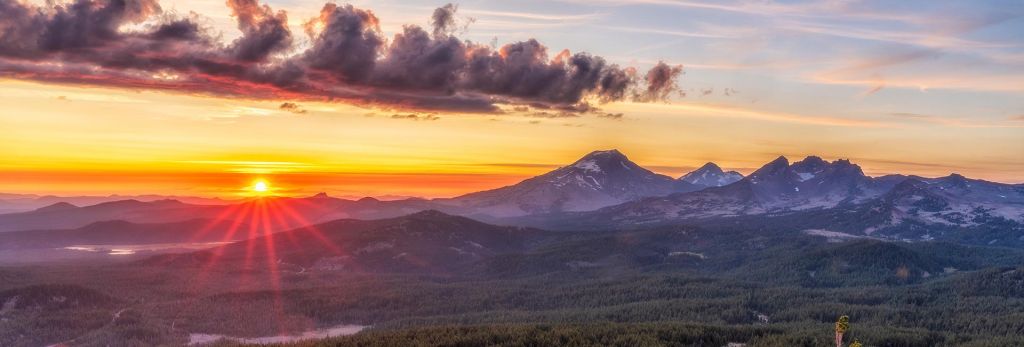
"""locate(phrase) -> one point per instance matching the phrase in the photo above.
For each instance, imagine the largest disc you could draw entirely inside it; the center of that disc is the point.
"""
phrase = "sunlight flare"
(259, 187)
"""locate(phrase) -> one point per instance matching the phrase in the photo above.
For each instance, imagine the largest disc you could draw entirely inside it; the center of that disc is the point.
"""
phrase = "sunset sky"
(143, 110)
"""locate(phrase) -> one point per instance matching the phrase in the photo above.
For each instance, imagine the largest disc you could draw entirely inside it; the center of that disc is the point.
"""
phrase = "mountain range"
(605, 190)
(12, 203)
(600, 240)
(815, 194)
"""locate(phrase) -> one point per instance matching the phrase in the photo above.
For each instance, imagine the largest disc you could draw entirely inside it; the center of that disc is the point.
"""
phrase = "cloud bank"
(134, 44)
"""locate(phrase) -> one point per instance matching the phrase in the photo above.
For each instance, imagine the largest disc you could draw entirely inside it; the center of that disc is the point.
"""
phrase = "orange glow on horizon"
(231, 185)
(138, 143)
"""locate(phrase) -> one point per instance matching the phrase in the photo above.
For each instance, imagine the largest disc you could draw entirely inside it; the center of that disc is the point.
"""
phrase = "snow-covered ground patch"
(341, 330)
(833, 236)
(692, 254)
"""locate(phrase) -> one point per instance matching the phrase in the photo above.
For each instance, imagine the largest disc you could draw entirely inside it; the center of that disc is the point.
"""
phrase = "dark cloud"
(546, 114)
(661, 81)
(443, 20)
(87, 24)
(30, 32)
(180, 29)
(417, 117)
(416, 61)
(522, 72)
(19, 29)
(349, 60)
(562, 111)
(348, 45)
(292, 107)
(263, 31)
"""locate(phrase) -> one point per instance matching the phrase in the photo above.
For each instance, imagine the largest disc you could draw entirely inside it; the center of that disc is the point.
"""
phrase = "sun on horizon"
(259, 187)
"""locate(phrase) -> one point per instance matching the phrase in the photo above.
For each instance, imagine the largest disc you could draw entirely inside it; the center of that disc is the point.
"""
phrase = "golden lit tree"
(856, 343)
(842, 325)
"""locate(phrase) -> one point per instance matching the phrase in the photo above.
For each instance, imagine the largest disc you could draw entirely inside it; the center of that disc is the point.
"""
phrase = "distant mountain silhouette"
(67, 216)
(119, 232)
(423, 242)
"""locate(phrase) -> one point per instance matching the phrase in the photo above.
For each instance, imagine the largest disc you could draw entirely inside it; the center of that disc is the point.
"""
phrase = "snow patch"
(341, 330)
(832, 236)
(461, 251)
(588, 166)
(692, 254)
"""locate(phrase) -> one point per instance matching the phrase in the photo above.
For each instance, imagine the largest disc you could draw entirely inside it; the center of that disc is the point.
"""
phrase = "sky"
(422, 98)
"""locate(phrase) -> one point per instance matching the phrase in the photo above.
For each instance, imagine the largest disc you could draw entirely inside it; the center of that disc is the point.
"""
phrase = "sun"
(260, 186)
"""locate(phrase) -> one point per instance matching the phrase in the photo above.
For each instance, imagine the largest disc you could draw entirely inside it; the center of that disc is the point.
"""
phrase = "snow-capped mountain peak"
(598, 179)
(604, 162)
(711, 175)
(774, 170)
(809, 168)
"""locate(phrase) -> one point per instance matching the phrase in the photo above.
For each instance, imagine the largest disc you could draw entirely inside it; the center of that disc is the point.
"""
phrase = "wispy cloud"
(770, 8)
(924, 47)
(254, 167)
(693, 34)
(517, 165)
(924, 81)
(956, 122)
(682, 108)
(535, 16)
(910, 115)
(929, 39)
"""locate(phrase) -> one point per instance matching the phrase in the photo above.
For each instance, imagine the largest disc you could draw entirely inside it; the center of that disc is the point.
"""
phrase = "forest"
(732, 284)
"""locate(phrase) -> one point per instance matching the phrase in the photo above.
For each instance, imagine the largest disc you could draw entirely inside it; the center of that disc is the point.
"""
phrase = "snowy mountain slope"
(711, 175)
(599, 179)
